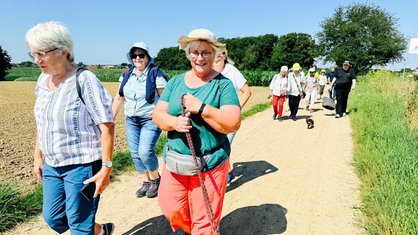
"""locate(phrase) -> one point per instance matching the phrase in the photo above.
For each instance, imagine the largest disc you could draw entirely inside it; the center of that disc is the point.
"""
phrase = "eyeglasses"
(141, 56)
(40, 55)
(204, 54)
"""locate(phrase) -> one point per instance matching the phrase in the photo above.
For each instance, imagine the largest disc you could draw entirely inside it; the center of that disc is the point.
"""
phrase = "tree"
(4, 64)
(81, 65)
(365, 35)
(27, 64)
(294, 48)
(172, 58)
(251, 53)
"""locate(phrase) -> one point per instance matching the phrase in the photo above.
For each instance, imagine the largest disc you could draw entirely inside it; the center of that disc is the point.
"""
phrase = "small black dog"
(310, 123)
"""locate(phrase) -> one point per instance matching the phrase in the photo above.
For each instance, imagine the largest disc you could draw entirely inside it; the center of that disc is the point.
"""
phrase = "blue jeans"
(142, 135)
(63, 205)
(231, 137)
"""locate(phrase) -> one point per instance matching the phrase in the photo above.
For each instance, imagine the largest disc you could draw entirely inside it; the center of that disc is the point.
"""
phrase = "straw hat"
(199, 34)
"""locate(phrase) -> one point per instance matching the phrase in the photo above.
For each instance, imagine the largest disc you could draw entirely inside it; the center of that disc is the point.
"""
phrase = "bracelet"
(201, 109)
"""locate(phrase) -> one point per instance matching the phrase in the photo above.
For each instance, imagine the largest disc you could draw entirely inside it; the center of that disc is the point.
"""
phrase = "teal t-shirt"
(218, 92)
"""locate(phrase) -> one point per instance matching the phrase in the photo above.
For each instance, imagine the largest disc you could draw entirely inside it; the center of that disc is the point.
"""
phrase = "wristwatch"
(107, 164)
(201, 109)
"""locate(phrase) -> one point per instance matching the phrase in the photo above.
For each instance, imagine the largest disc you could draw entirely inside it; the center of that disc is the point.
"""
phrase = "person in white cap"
(225, 65)
(345, 81)
(311, 88)
(211, 111)
(139, 91)
(322, 82)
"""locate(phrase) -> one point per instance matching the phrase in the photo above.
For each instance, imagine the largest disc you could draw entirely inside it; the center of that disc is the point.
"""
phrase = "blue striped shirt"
(68, 131)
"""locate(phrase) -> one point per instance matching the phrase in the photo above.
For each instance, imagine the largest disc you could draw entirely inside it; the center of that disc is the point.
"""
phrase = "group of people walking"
(295, 86)
(200, 110)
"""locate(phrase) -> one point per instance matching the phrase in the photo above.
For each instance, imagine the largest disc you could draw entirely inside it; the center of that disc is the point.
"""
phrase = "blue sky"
(104, 30)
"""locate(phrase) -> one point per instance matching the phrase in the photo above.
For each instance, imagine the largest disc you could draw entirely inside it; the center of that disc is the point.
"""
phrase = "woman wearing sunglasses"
(140, 89)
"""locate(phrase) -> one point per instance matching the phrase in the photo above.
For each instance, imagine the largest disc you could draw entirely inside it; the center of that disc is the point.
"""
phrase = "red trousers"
(278, 102)
(181, 198)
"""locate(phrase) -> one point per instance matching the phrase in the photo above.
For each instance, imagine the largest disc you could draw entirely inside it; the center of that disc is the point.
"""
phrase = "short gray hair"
(48, 35)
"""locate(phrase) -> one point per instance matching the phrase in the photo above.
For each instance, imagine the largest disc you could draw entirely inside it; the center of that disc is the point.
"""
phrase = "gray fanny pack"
(183, 164)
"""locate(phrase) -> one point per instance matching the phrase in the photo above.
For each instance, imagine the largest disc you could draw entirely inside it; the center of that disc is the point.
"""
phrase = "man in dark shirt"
(345, 81)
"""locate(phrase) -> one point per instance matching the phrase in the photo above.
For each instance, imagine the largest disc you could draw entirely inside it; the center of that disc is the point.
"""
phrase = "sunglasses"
(141, 56)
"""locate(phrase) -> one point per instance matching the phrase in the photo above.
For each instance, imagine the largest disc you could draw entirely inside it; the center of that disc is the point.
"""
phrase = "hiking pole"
(209, 211)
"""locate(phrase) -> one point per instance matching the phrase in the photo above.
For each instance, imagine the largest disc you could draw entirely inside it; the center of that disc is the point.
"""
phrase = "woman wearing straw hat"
(201, 104)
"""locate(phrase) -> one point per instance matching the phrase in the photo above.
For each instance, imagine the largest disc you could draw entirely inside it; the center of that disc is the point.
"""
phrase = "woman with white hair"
(202, 103)
(278, 89)
(75, 134)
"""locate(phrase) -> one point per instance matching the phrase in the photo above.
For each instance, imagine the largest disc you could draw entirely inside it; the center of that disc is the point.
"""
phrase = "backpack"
(151, 86)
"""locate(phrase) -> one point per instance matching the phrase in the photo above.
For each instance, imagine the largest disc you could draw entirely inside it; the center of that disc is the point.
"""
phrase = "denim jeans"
(142, 135)
(63, 205)
(231, 137)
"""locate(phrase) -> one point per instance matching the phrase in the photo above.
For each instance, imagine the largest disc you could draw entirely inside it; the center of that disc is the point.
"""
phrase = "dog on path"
(310, 123)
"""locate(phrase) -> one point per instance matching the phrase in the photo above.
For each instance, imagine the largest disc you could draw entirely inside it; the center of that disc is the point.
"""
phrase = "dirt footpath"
(289, 180)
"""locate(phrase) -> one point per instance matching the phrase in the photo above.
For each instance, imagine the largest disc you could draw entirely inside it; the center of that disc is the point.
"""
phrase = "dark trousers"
(342, 98)
(294, 105)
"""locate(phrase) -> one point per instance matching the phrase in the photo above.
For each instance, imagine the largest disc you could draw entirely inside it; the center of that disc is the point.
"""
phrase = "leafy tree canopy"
(251, 52)
(294, 48)
(172, 58)
(28, 64)
(265, 52)
(365, 35)
(4, 64)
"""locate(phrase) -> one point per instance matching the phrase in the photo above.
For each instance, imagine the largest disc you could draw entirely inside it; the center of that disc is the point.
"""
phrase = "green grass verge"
(16, 208)
(256, 109)
(386, 154)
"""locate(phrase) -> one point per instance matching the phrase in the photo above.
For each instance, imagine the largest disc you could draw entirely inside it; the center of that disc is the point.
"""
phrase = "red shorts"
(181, 198)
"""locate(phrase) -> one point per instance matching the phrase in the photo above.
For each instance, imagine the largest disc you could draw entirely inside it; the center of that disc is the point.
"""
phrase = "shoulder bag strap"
(296, 82)
(79, 71)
